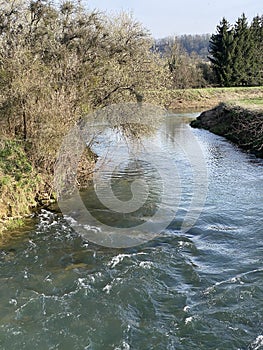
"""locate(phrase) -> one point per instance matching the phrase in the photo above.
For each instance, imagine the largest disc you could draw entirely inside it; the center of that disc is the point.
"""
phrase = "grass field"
(206, 97)
(253, 103)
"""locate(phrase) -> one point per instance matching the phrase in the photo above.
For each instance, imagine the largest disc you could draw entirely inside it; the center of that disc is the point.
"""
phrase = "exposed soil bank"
(242, 126)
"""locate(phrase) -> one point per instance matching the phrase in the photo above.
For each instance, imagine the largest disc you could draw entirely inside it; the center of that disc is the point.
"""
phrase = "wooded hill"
(193, 45)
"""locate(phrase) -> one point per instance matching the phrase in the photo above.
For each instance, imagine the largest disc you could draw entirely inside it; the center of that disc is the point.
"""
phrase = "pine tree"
(256, 31)
(242, 53)
(221, 52)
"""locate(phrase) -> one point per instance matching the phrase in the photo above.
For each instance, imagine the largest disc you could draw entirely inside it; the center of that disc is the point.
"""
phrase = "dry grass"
(203, 98)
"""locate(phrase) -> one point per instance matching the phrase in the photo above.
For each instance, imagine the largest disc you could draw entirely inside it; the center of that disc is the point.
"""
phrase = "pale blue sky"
(174, 17)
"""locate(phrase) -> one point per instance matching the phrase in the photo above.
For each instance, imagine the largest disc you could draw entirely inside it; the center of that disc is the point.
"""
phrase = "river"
(195, 288)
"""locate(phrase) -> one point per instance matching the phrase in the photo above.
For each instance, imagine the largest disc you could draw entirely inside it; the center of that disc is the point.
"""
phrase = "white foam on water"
(46, 220)
(257, 343)
(120, 257)
(124, 346)
(235, 279)
(71, 220)
(183, 244)
(13, 302)
(92, 228)
(188, 320)
(146, 264)
(109, 286)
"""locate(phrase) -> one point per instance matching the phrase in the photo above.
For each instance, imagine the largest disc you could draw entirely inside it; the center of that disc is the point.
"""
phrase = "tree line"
(236, 52)
(196, 44)
(186, 59)
(191, 44)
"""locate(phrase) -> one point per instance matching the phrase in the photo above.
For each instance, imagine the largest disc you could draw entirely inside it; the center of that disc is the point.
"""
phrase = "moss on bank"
(23, 189)
(19, 184)
(242, 126)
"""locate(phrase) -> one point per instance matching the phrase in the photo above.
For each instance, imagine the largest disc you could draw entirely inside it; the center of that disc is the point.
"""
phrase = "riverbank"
(190, 99)
(20, 184)
(242, 126)
(23, 188)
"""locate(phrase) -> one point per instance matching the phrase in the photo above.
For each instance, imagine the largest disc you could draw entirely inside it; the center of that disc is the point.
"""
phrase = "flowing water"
(200, 288)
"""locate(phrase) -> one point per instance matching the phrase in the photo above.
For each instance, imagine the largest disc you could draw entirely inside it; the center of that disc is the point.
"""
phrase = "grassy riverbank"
(253, 103)
(19, 184)
(242, 126)
(23, 188)
(204, 98)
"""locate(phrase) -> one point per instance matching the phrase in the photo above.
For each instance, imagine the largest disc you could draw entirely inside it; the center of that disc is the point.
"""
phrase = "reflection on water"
(200, 289)
(122, 180)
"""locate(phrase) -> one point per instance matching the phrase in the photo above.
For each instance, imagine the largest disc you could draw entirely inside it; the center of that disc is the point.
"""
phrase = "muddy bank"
(242, 126)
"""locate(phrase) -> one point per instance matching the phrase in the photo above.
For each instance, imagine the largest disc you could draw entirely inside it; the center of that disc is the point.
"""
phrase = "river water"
(197, 288)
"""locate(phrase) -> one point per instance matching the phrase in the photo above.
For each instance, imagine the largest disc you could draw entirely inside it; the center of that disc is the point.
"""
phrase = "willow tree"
(58, 63)
(40, 92)
(130, 67)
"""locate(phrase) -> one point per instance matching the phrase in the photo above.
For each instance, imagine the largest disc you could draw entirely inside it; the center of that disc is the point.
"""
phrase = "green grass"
(203, 97)
(19, 184)
(213, 90)
(13, 160)
(254, 101)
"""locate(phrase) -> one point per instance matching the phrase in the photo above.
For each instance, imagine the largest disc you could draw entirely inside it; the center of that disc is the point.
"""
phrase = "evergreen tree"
(242, 53)
(221, 53)
(256, 30)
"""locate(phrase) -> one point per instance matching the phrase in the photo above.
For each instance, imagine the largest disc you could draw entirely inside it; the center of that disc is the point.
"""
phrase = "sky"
(175, 17)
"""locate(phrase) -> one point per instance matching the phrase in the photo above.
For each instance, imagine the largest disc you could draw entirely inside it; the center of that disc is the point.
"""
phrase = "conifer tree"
(221, 53)
(256, 30)
(242, 53)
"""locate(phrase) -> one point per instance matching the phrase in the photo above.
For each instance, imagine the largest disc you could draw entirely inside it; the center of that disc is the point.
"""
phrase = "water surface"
(200, 289)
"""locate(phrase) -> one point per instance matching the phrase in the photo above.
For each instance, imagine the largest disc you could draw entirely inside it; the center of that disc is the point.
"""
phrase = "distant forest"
(196, 44)
(233, 56)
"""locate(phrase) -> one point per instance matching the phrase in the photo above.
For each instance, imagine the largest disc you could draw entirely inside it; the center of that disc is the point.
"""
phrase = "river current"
(197, 288)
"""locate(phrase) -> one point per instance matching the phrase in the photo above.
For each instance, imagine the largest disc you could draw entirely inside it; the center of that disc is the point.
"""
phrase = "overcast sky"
(174, 17)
